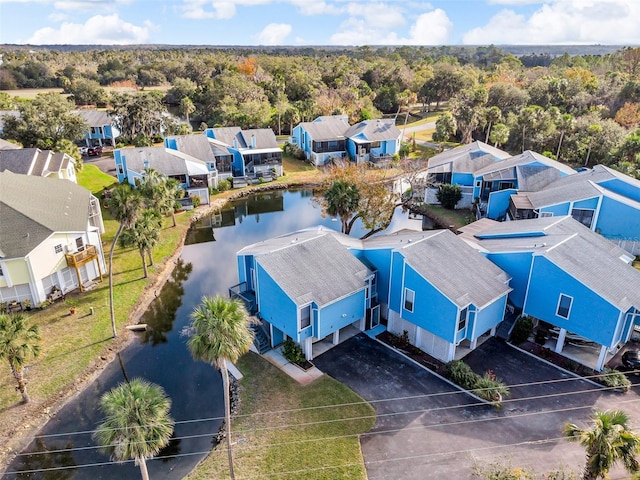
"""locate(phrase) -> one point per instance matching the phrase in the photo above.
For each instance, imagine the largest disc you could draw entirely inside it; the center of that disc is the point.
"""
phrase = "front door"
(375, 316)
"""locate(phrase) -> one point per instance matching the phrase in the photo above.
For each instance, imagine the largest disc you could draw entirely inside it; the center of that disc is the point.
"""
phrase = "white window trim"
(545, 214)
(568, 310)
(466, 319)
(404, 300)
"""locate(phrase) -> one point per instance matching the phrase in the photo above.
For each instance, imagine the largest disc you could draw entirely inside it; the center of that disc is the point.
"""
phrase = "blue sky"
(320, 22)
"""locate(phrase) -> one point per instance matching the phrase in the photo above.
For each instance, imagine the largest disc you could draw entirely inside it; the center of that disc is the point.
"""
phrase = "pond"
(64, 449)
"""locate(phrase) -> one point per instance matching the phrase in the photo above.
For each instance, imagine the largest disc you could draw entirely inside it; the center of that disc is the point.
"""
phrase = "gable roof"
(373, 130)
(326, 128)
(254, 139)
(32, 208)
(33, 161)
(310, 266)
(588, 257)
(449, 264)
(164, 160)
(4, 145)
(95, 118)
(525, 158)
(197, 146)
(467, 158)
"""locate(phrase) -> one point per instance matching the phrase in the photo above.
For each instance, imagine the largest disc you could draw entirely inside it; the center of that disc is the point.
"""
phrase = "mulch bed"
(412, 352)
(557, 359)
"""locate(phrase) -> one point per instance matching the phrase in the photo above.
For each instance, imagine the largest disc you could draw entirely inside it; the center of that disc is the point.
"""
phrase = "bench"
(55, 295)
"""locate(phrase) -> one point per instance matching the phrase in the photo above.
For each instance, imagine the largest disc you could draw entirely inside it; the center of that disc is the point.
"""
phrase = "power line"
(393, 399)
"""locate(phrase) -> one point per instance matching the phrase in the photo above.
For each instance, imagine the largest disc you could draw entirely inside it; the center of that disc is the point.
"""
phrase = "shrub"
(490, 388)
(449, 195)
(461, 374)
(521, 330)
(196, 200)
(614, 379)
(292, 351)
(224, 185)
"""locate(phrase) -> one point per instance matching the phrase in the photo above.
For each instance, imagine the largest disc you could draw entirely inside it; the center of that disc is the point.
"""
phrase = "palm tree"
(493, 115)
(18, 343)
(125, 205)
(144, 234)
(342, 200)
(565, 123)
(137, 424)
(608, 441)
(499, 134)
(159, 192)
(219, 333)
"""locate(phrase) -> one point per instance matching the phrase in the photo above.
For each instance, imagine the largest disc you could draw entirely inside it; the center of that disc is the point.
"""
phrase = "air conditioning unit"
(70, 248)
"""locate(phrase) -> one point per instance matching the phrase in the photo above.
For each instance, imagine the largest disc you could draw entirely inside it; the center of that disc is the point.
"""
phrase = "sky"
(320, 22)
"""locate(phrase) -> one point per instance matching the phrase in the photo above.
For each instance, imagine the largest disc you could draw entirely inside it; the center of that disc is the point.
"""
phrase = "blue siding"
(499, 203)
(589, 203)
(331, 318)
(557, 210)
(397, 262)
(237, 166)
(120, 159)
(243, 268)
(275, 307)
(381, 260)
(517, 265)
(488, 318)
(590, 316)
(617, 220)
(623, 188)
(351, 148)
(432, 311)
(465, 179)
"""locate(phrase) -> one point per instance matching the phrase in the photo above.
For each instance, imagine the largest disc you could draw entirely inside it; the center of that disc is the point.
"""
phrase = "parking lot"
(427, 428)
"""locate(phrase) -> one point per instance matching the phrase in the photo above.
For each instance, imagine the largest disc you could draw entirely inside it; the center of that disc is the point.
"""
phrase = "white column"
(474, 343)
(363, 323)
(451, 354)
(336, 337)
(560, 342)
(601, 358)
(307, 346)
(493, 331)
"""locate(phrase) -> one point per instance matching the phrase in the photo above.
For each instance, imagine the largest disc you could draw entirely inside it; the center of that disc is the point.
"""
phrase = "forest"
(582, 109)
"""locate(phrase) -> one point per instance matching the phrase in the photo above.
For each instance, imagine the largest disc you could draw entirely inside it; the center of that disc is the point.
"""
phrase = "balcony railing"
(79, 258)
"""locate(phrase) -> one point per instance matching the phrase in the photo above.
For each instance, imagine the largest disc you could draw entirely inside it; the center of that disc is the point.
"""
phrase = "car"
(631, 359)
(83, 150)
(94, 151)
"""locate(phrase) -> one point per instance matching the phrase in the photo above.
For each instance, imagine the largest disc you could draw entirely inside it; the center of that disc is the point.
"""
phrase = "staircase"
(504, 329)
(260, 340)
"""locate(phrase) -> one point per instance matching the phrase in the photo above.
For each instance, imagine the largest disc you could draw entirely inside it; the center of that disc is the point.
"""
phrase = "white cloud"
(377, 15)
(97, 30)
(57, 17)
(431, 28)
(273, 34)
(564, 22)
(316, 7)
(216, 9)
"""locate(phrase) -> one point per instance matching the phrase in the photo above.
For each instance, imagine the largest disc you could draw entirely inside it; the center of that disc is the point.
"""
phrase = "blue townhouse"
(310, 284)
(602, 199)
(458, 166)
(102, 129)
(200, 148)
(323, 139)
(373, 141)
(306, 286)
(567, 276)
(249, 153)
(192, 174)
(528, 172)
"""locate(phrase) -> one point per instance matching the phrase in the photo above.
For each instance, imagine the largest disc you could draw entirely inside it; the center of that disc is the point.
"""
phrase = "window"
(545, 214)
(409, 298)
(79, 242)
(1, 274)
(564, 306)
(305, 316)
(584, 216)
(120, 169)
(58, 248)
(462, 319)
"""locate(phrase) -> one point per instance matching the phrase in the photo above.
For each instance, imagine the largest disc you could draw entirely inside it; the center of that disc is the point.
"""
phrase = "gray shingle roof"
(95, 118)
(523, 159)
(374, 130)
(467, 158)
(314, 268)
(326, 128)
(4, 145)
(456, 269)
(164, 160)
(18, 160)
(197, 146)
(32, 208)
(227, 135)
(590, 258)
(264, 138)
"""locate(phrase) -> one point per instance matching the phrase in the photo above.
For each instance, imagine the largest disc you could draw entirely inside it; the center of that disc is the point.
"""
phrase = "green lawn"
(446, 218)
(94, 180)
(277, 435)
(430, 117)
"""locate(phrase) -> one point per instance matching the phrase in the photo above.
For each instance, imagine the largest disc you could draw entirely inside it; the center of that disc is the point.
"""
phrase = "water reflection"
(206, 268)
(161, 314)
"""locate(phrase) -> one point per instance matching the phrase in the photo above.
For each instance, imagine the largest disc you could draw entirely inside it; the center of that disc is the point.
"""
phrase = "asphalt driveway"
(427, 428)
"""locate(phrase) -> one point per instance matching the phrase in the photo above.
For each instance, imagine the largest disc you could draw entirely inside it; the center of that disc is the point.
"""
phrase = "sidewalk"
(302, 377)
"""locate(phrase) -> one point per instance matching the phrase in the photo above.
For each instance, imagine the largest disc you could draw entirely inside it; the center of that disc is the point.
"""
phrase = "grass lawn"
(430, 117)
(94, 180)
(278, 434)
(446, 218)
(31, 93)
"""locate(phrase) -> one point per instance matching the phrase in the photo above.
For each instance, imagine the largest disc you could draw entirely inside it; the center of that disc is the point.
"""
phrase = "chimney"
(253, 141)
